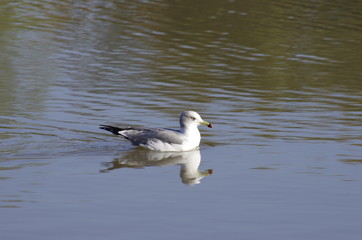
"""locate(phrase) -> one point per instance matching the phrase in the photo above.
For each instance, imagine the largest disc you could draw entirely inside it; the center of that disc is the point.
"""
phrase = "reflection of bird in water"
(164, 139)
(139, 158)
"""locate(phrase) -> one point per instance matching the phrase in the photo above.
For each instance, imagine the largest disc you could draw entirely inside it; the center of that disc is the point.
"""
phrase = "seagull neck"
(188, 129)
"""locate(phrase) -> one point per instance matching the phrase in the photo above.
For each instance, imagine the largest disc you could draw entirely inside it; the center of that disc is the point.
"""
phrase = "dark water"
(281, 82)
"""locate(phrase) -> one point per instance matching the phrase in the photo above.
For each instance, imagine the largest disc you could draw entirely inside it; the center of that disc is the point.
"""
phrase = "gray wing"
(143, 135)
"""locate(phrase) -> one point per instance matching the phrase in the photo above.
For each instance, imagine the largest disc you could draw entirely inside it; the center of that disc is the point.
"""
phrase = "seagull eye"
(192, 118)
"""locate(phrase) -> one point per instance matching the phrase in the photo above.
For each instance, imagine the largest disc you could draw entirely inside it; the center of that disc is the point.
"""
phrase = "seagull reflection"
(139, 158)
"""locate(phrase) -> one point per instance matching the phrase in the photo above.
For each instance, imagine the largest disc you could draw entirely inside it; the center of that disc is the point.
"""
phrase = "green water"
(279, 80)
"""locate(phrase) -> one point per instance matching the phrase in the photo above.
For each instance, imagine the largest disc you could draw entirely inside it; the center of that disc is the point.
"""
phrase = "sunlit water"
(280, 81)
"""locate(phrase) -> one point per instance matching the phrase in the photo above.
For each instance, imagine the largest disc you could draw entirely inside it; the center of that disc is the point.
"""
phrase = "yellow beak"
(206, 124)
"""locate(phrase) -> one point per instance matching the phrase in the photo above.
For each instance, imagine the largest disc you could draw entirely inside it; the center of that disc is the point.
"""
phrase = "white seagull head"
(189, 119)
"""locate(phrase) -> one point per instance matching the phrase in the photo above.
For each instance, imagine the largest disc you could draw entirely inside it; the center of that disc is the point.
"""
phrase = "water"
(280, 81)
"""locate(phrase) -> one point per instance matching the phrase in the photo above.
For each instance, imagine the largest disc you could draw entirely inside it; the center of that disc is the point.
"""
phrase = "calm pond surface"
(281, 82)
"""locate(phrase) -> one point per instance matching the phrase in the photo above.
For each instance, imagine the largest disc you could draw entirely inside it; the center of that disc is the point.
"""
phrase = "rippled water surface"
(281, 82)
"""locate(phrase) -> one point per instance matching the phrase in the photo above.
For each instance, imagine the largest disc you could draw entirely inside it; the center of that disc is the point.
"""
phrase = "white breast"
(191, 140)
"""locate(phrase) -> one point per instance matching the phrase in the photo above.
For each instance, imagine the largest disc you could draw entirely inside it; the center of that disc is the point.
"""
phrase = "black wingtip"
(114, 130)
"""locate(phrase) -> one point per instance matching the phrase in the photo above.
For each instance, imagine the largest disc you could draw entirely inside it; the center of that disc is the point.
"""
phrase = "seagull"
(164, 139)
